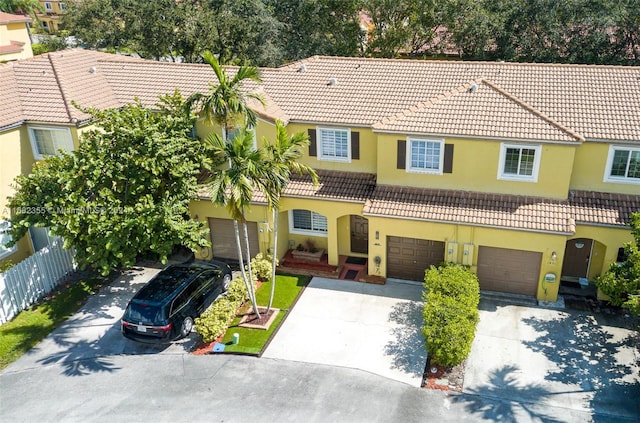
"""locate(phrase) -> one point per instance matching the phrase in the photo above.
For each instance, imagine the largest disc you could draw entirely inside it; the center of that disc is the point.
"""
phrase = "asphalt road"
(87, 372)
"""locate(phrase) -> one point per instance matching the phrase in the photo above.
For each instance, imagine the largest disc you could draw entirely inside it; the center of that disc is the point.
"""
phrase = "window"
(4, 239)
(47, 141)
(48, 6)
(307, 222)
(63, 6)
(334, 144)
(424, 155)
(623, 165)
(519, 162)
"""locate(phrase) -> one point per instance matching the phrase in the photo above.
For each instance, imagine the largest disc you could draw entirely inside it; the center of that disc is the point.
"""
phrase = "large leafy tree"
(326, 27)
(401, 26)
(622, 281)
(124, 193)
(28, 7)
(232, 163)
(283, 157)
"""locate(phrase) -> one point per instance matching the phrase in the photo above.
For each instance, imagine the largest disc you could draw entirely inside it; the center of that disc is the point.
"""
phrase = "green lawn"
(252, 341)
(32, 325)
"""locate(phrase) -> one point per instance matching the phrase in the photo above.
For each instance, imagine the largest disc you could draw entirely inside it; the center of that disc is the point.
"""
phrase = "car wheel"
(226, 282)
(187, 326)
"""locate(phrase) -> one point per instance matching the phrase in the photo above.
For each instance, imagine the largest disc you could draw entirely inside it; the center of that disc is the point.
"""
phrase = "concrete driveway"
(538, 361)
(362, 326)
(87, 341)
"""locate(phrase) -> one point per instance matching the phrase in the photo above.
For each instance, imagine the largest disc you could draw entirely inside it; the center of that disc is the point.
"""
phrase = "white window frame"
(408, 156)
(34, 145)
(62, 6)
(4, 251)
(322, 155)
(523, 178)
(607, 169)
(313, 232)
(48, 6)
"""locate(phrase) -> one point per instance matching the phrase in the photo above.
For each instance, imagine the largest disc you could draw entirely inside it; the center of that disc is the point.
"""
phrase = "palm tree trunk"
(274, 257)
(247, 283)
(252, 293)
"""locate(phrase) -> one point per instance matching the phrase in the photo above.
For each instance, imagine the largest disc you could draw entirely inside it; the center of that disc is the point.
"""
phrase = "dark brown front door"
(359, 234)
(576, 258)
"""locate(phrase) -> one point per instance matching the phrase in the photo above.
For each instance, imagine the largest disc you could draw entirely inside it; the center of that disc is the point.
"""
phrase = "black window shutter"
(313, 145)
(448, 159)
(355, 145)
(402, 154)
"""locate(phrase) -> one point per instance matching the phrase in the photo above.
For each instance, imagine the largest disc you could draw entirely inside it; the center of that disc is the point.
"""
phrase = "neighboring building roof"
(543, 102)
(472, 208)
(7, 18)
(603, 208)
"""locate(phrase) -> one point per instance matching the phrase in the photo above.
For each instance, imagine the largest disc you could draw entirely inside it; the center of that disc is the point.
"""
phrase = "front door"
(576, 258)
(359, 234)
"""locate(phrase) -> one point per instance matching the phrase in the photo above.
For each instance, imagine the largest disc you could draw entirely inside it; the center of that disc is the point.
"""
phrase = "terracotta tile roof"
(542, 101)
(478, 109)
(597, 102)
(506, 211)
(334, 185)
(10, 107)
(603, 208)
(7, 18)
(494, 210)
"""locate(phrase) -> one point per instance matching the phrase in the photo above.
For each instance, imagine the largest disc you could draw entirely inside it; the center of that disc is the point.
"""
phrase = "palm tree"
(283, 156)
(235, 167)
(226, 105)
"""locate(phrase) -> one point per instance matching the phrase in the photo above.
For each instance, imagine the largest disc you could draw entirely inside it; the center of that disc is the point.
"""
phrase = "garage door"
(505, 270)
(223, 238)
(408, 258)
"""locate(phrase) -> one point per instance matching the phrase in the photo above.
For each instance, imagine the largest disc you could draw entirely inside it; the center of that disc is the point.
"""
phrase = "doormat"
(351, 274)
(361, 261)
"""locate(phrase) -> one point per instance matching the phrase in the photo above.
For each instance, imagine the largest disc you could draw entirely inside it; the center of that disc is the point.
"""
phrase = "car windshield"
(144, 313)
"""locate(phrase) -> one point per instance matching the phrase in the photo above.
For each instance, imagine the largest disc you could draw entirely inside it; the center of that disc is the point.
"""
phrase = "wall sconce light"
(377, 235)
(554, 255)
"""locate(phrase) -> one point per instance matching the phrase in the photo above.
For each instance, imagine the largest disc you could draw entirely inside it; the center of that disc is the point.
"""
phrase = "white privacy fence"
(32, 278)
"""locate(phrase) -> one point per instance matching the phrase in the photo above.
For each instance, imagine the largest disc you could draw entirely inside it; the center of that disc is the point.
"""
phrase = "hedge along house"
(527, 173)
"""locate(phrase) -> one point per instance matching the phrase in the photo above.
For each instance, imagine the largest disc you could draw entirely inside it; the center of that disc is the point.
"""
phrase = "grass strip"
(32, 325)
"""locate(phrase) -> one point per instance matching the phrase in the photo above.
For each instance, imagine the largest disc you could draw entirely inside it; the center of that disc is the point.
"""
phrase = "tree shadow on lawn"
(602, 361)
(489, 400)
(407, 347)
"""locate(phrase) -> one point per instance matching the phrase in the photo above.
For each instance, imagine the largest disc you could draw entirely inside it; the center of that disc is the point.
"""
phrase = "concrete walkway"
(362, 326)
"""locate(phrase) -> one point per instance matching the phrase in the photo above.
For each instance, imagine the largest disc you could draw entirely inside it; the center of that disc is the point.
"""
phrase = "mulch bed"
(444, 378)
(251, 318)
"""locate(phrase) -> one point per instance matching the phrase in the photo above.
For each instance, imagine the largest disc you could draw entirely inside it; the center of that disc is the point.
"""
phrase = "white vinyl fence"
(32, 278)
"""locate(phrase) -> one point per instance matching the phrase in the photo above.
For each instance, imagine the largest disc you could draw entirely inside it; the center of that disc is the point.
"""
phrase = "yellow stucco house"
(15, 43)
(527, 173)
(52, 16)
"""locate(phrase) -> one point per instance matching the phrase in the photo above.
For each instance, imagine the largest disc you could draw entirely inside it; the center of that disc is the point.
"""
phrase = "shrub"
(217, 318)
(262, 266)
(451, 296)
(453, 280)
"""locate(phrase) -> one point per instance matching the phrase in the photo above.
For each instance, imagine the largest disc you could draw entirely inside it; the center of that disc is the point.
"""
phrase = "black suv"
(163, 310)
